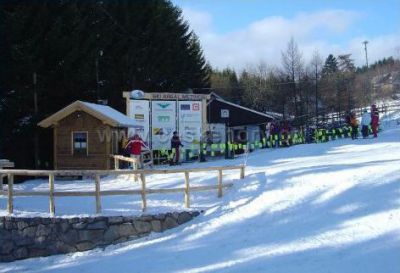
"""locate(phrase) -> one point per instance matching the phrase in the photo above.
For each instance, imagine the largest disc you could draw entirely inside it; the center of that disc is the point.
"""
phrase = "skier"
(365, 122)
(175, 145)
(135, 146)
(374, 120)
(354, 126)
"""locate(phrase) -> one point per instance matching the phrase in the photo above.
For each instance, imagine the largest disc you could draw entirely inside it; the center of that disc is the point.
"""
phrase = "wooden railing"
(4, 163)
(133, 161)
(118, 158)
(97, 193)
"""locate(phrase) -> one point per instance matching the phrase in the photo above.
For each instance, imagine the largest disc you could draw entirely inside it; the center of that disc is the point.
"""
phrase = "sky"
(239, 34)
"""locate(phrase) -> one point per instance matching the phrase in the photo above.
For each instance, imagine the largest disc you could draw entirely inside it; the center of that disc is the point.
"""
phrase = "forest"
(54, 52)
(301, 90)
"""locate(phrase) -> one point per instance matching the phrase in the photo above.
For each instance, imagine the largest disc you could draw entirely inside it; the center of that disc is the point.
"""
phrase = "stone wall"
(22, 238)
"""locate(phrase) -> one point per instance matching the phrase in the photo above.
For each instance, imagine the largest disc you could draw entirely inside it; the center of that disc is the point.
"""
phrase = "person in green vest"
(354, 126)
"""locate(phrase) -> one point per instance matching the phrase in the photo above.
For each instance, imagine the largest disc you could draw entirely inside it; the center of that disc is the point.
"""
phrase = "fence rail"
(337, 116)
(97, 193)
(4, 163)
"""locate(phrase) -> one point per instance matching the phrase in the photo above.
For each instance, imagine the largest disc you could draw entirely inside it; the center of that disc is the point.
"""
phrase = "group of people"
(367, 120)
(134, 148)
(279, 131)
(275, 131)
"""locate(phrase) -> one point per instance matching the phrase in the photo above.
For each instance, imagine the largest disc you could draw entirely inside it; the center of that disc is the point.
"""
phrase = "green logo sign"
(164, 105)
(163, 118)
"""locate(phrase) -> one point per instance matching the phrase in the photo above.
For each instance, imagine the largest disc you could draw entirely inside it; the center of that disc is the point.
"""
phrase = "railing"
(97, 193)
(4, 163)
(118, 158)
(337, 116)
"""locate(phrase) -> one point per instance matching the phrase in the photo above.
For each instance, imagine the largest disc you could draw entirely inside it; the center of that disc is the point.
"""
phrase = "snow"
(113, 114)
(332, 207)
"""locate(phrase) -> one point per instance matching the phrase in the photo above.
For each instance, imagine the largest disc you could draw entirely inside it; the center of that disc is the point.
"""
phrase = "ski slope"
(332, 207)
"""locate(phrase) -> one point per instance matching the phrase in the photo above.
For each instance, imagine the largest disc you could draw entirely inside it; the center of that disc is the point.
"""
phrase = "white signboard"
(163, 123)
(140, 113)
(218, 132)
(190, 122)
(224, 113)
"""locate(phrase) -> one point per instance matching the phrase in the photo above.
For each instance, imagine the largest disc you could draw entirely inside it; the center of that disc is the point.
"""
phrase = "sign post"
(225, 118)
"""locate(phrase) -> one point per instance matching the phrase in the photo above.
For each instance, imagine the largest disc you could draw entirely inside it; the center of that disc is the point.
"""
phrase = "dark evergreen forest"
(53, 52)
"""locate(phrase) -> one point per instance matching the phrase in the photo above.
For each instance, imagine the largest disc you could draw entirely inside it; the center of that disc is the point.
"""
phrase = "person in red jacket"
(374, 120)
(135, 148)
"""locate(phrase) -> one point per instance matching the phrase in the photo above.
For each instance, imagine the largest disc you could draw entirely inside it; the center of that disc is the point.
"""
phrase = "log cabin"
(85, 135)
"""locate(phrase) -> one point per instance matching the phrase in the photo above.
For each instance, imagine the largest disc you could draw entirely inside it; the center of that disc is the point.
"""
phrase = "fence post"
(135, 167)
(98, 200)
(143, 193)
(187, 196)
(219, 183)
(1, 182)
(10, 205)
(51, 194)
(116, 163)
(242, 172)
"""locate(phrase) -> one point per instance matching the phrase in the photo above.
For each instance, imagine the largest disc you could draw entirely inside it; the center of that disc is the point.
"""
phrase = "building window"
(80, 143)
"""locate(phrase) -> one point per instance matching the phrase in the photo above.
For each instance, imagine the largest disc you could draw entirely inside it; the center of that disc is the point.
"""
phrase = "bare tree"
(292, 65)
(316, 66)
(255, 84)
(347, 72)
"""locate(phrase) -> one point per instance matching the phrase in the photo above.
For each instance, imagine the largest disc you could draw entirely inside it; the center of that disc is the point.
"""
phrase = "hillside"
(332, 207)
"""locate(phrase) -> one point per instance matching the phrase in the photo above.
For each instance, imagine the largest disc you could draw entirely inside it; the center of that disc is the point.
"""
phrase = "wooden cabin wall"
(98, 150)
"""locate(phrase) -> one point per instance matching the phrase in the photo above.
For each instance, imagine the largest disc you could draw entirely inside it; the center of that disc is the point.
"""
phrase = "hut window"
(79, 142)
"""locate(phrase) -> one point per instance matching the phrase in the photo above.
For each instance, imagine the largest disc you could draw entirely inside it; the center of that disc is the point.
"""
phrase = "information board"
(163, 122)
(140, 113)
(190, 122)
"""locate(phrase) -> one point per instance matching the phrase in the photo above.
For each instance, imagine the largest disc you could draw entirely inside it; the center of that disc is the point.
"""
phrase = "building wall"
(237, 116)
(98, 150)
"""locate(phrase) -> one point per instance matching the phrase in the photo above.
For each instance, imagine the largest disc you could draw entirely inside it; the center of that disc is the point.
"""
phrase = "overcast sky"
(237, 33)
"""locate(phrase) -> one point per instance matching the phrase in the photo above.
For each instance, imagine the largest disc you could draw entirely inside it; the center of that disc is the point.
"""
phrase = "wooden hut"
(85, 135)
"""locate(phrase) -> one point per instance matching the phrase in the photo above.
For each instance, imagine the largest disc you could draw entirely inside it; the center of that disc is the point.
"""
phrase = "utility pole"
(36, 111)
(369, 95)
(366, 52)
(316, 94)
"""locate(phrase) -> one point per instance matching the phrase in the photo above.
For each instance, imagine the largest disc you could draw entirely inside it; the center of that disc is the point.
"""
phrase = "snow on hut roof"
(245, 108)
(103, 112)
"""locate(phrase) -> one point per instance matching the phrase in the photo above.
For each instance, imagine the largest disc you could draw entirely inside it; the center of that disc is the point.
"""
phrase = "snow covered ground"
(332, 207)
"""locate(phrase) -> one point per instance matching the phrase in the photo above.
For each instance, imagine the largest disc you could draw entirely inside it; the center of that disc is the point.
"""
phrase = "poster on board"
(217, 132)
(140, 113)
(163, 123)
(190, 123)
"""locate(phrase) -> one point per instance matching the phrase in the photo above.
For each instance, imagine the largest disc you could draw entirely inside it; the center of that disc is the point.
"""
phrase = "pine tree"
(330, 66)
(87, 50)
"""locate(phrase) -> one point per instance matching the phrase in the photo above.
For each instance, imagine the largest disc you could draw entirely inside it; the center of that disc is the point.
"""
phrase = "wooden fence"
(97, 193)
(4, 163)
(339, 116)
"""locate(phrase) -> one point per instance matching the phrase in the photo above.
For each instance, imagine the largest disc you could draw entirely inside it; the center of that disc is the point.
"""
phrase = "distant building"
(387, 84)
(244, 124)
